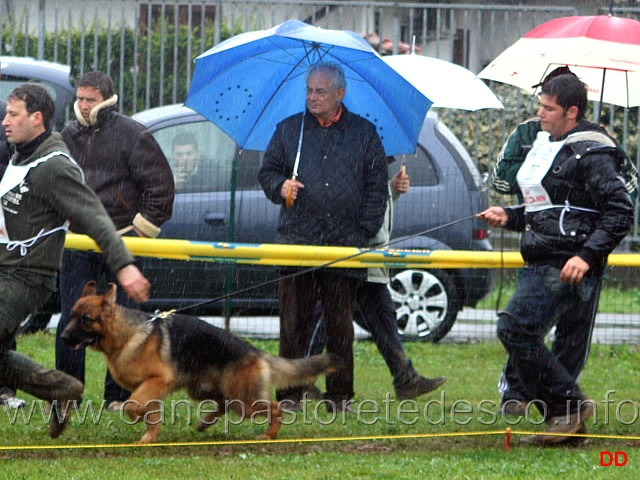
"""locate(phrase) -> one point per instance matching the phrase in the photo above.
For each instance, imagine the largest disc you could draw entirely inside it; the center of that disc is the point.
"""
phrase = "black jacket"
(585, 174)
(126, 168)
(344, 171)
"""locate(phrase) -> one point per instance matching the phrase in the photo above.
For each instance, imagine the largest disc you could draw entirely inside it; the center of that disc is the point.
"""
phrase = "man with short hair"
(576, 211)
(186, 156)
(43, 191)
(573, 355)
(338, 197)
(125, 167)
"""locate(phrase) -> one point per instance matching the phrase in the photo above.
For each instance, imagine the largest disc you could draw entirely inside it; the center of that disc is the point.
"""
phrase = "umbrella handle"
(290, 199)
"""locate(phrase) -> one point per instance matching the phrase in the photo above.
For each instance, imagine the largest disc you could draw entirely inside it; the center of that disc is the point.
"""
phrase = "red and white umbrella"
(603, 51)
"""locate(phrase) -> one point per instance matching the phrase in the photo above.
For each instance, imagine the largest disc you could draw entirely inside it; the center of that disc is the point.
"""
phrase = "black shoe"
(418, 386)
(514, 407)
(312, 393)
(339, 407)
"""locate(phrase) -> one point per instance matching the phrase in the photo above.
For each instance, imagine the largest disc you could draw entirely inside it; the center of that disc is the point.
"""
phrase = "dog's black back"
(196, 344)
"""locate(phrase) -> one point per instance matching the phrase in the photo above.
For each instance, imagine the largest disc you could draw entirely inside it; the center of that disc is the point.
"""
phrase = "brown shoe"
(563, 424)
(60, 416)
(66, 397)
(418, 385)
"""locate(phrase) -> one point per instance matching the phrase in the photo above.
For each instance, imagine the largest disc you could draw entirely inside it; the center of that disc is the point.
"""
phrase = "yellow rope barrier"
(309, 256)
(506, 432)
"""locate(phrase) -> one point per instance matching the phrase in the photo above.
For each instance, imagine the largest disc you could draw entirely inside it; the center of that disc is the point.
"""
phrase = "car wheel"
(426, 303)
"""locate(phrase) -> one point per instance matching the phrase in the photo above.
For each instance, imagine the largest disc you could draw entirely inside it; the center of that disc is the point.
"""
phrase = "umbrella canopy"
(603, 51)
(447, 84)
(247, 84)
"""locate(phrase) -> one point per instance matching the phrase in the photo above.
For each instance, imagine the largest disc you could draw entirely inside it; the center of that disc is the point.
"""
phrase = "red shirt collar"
(327, 123)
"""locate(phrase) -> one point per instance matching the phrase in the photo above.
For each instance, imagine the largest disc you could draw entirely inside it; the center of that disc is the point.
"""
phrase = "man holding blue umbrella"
(332, 166)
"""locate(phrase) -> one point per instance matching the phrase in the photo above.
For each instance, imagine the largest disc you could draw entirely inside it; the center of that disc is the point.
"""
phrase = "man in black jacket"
(576, 211)
(126, 168)
(338, 193)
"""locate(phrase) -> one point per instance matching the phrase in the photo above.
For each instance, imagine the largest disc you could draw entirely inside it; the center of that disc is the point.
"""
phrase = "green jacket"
(50, 194)
(517, 146)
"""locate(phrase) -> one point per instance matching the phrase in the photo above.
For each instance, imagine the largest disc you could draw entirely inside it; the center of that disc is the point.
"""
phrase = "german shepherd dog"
(152, 357)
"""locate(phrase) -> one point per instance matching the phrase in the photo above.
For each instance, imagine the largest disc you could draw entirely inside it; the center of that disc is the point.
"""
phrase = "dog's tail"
(287, 372)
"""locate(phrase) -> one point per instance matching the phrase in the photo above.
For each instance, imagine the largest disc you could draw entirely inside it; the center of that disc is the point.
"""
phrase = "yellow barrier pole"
(308, 256)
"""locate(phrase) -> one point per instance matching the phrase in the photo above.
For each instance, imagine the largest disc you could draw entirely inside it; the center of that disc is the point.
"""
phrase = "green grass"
(443, 442)
(613, 299)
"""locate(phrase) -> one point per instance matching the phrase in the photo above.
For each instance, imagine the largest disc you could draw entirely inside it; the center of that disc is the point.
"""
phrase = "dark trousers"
(77, 269)
(541, 301)
(21, 293)
(298, 296)
(376, 314)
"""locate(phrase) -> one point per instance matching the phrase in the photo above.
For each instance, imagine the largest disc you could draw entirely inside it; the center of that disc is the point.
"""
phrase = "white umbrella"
(447, 84)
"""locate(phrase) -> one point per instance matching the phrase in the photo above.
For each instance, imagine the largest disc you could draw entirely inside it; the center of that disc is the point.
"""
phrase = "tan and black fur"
(153, 358)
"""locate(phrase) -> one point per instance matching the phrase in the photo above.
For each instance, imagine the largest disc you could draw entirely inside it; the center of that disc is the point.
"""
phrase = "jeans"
(77, 269)
(541, 301)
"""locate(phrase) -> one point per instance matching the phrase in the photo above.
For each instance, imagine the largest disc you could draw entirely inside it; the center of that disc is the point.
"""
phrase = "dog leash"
(157, 315)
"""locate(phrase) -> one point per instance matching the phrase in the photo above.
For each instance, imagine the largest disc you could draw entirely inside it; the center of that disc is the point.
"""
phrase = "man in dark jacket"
(126, 168)
(576, 211)
(504, 180)
(7, 394)
(42, 192)
(339, 195)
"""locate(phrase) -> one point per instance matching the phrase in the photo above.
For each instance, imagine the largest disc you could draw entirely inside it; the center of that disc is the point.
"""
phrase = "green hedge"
(97, 42)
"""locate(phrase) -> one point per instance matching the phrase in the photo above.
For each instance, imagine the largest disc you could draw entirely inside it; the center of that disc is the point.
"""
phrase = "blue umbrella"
(249, 83)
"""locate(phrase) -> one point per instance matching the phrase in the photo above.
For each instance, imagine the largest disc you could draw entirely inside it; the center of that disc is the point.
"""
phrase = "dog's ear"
(111, 293)
(89, 288)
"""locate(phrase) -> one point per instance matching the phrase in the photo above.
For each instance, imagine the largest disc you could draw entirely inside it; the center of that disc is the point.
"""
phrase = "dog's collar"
(158, 315)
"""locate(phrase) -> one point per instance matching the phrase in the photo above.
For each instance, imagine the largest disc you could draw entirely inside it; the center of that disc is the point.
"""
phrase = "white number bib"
(534, 169)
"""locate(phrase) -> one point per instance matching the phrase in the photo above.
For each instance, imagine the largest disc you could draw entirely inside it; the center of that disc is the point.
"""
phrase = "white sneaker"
(9, 400)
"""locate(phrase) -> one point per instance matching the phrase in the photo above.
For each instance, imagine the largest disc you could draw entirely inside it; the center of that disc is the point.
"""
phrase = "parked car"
(51, 75)
(445, 185)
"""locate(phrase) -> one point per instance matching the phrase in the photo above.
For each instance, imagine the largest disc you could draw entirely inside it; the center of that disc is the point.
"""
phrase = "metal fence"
(470, 35)
(161, 67)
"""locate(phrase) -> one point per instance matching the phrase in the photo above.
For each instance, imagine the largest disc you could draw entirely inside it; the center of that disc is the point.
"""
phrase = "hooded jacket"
(592, 211)
(125, 166)
(344, 171)
(51, 193)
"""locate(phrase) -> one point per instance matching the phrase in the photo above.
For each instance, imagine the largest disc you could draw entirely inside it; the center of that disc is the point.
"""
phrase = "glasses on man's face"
(319, 92)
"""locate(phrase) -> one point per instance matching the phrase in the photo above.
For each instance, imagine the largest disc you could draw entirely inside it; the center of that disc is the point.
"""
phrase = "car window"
(420, 167)
(7, 84)
(213, 164)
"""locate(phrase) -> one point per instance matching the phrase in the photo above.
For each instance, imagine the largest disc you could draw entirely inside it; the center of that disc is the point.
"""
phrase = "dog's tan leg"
(274, 423)
(146, 403)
